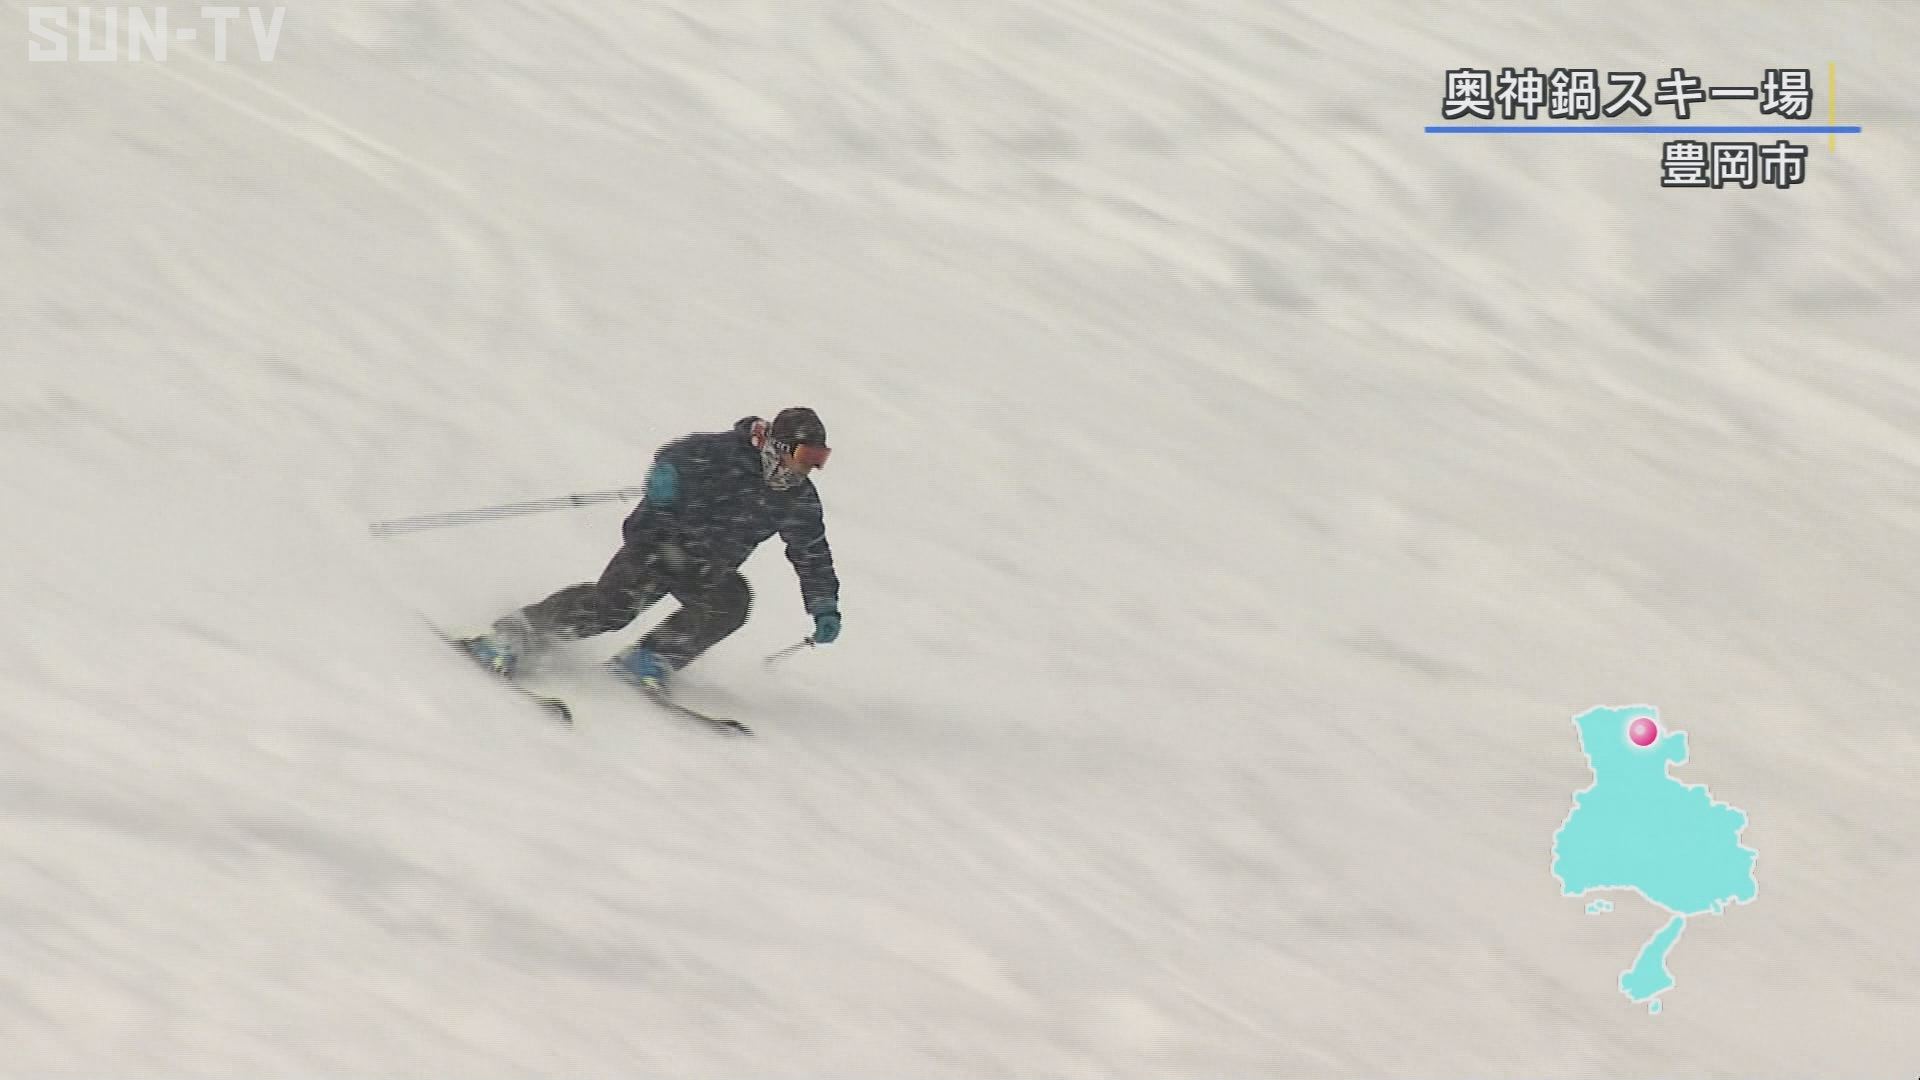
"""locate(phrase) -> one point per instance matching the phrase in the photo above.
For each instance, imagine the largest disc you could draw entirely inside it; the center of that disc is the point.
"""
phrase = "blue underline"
(1643, 129)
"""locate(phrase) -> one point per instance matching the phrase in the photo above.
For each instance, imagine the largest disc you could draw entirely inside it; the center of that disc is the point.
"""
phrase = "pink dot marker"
(1643, 731)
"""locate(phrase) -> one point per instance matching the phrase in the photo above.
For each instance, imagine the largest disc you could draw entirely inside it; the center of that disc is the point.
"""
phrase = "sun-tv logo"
(96, 35)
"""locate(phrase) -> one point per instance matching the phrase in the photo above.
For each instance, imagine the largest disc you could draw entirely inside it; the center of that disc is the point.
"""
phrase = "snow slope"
(1237, 494)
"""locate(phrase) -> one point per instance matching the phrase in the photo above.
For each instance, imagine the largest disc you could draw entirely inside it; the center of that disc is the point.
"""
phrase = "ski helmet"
(796, 433)
(798, 426)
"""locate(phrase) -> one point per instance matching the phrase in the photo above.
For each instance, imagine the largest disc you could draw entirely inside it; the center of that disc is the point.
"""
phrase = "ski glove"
(826, 626)
(663, 484)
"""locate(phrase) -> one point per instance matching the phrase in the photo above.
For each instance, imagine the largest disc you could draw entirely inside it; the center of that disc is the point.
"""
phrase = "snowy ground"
(1237, 494)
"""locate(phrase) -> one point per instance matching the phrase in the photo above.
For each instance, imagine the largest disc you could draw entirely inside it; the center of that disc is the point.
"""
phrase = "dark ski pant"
(713, 603)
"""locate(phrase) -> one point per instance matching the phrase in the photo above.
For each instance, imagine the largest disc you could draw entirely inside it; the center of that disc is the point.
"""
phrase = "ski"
(553, 706)
(724, 723)
(560, 710)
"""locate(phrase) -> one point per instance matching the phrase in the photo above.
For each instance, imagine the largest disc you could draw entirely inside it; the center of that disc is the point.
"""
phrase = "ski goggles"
(810, 454)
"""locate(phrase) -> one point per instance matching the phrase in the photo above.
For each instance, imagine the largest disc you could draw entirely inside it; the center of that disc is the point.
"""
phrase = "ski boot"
(502, 649)
(644, 668)
(493, 654)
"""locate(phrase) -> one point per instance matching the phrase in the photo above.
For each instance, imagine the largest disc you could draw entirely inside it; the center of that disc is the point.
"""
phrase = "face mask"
(773, 466)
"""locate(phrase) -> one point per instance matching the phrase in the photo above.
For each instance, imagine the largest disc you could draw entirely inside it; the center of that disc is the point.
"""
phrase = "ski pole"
(805, 643)
(495, 513)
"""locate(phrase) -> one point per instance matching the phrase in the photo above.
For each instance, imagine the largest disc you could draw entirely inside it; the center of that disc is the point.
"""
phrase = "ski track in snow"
(1236, 494)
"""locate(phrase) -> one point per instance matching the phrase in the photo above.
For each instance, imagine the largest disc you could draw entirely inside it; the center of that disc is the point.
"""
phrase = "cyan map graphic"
(1638, 829)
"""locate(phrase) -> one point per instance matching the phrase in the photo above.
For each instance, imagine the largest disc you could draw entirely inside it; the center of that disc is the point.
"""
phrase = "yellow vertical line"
(1832, 106)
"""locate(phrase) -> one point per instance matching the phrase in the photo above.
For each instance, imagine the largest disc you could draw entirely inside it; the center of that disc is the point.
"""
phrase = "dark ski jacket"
(706, 494)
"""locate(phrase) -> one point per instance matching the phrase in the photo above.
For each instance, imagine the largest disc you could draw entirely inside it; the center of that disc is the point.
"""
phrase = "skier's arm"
(664, 507)
(805, 534)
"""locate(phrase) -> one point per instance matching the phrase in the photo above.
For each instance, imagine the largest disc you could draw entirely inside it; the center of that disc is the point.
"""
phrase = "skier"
(710, 500)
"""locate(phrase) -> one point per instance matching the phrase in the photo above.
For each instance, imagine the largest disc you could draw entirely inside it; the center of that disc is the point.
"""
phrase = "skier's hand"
(826, 626)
